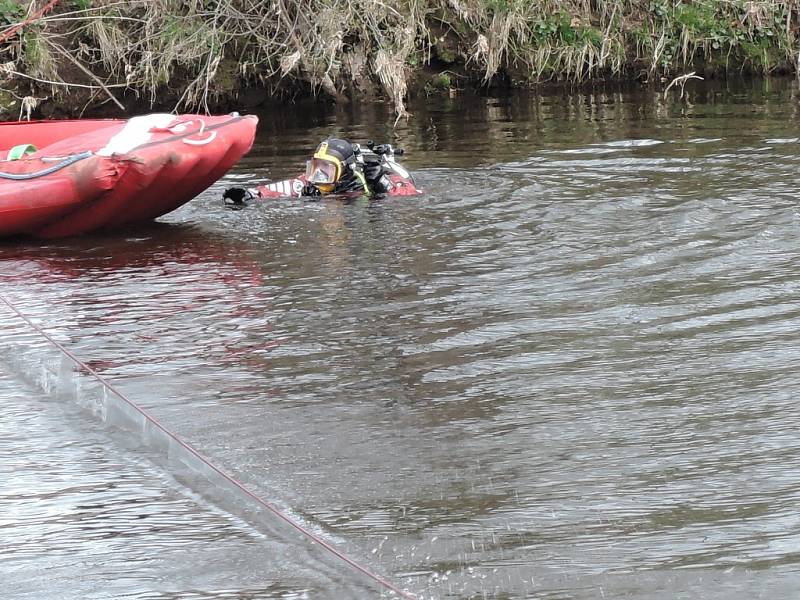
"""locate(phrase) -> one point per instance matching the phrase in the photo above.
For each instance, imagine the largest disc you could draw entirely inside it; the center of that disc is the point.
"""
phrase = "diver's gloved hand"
(310, 189)
(237, 196)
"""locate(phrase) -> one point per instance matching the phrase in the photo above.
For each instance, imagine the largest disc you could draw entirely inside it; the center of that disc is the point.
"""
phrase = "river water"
(566, 372)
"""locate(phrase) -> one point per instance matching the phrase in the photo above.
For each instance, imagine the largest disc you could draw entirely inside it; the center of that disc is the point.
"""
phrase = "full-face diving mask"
(322, 172)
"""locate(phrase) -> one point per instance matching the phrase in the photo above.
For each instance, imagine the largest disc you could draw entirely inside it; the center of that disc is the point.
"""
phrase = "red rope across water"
(14, 28)
(229, 478)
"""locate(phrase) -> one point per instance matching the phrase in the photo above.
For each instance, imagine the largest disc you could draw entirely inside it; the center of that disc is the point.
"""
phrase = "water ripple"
(567, 371)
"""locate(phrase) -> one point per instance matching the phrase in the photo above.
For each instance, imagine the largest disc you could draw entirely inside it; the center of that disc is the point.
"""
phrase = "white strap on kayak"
(140, 130)
(137, 131)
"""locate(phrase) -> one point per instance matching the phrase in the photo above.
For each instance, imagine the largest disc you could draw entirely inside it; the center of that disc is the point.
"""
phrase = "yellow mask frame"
(322, 153)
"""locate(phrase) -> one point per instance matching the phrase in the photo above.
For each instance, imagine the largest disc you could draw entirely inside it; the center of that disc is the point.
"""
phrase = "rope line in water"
(229, 478)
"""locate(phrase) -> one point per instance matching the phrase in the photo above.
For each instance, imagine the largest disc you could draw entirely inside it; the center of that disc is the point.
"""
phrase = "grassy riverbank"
(220, 54)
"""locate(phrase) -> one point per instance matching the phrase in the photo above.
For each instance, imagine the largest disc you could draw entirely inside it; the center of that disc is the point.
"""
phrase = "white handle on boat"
(202, 142)
(179, 127)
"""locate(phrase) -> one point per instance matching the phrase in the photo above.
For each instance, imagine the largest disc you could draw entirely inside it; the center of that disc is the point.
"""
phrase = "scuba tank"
(379, 166)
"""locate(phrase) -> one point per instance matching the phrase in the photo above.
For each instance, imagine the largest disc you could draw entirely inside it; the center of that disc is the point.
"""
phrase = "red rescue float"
(63, 178)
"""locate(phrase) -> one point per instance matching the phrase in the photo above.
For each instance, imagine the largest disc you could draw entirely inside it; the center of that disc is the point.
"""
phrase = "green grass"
(10, 11)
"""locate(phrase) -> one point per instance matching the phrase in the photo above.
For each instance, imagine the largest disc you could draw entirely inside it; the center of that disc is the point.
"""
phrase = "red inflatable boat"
(62, 178)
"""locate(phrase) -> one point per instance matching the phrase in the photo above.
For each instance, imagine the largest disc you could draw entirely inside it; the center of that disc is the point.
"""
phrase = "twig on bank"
(4, 69)
(681, 80)
(75, 62)
(28, 105)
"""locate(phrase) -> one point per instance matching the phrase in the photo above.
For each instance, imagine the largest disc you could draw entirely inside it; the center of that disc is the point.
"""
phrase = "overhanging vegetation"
(197, 54)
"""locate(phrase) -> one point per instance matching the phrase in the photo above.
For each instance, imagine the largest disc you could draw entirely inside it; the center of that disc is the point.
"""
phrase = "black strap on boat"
(56, 167)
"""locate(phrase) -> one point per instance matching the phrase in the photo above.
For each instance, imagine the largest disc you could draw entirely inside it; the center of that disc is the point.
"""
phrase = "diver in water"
(341, 168)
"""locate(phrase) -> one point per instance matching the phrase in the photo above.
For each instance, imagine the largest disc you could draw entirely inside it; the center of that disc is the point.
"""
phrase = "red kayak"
(62, 178)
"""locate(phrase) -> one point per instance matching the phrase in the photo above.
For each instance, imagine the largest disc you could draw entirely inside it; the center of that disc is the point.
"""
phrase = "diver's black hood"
(341, 149)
